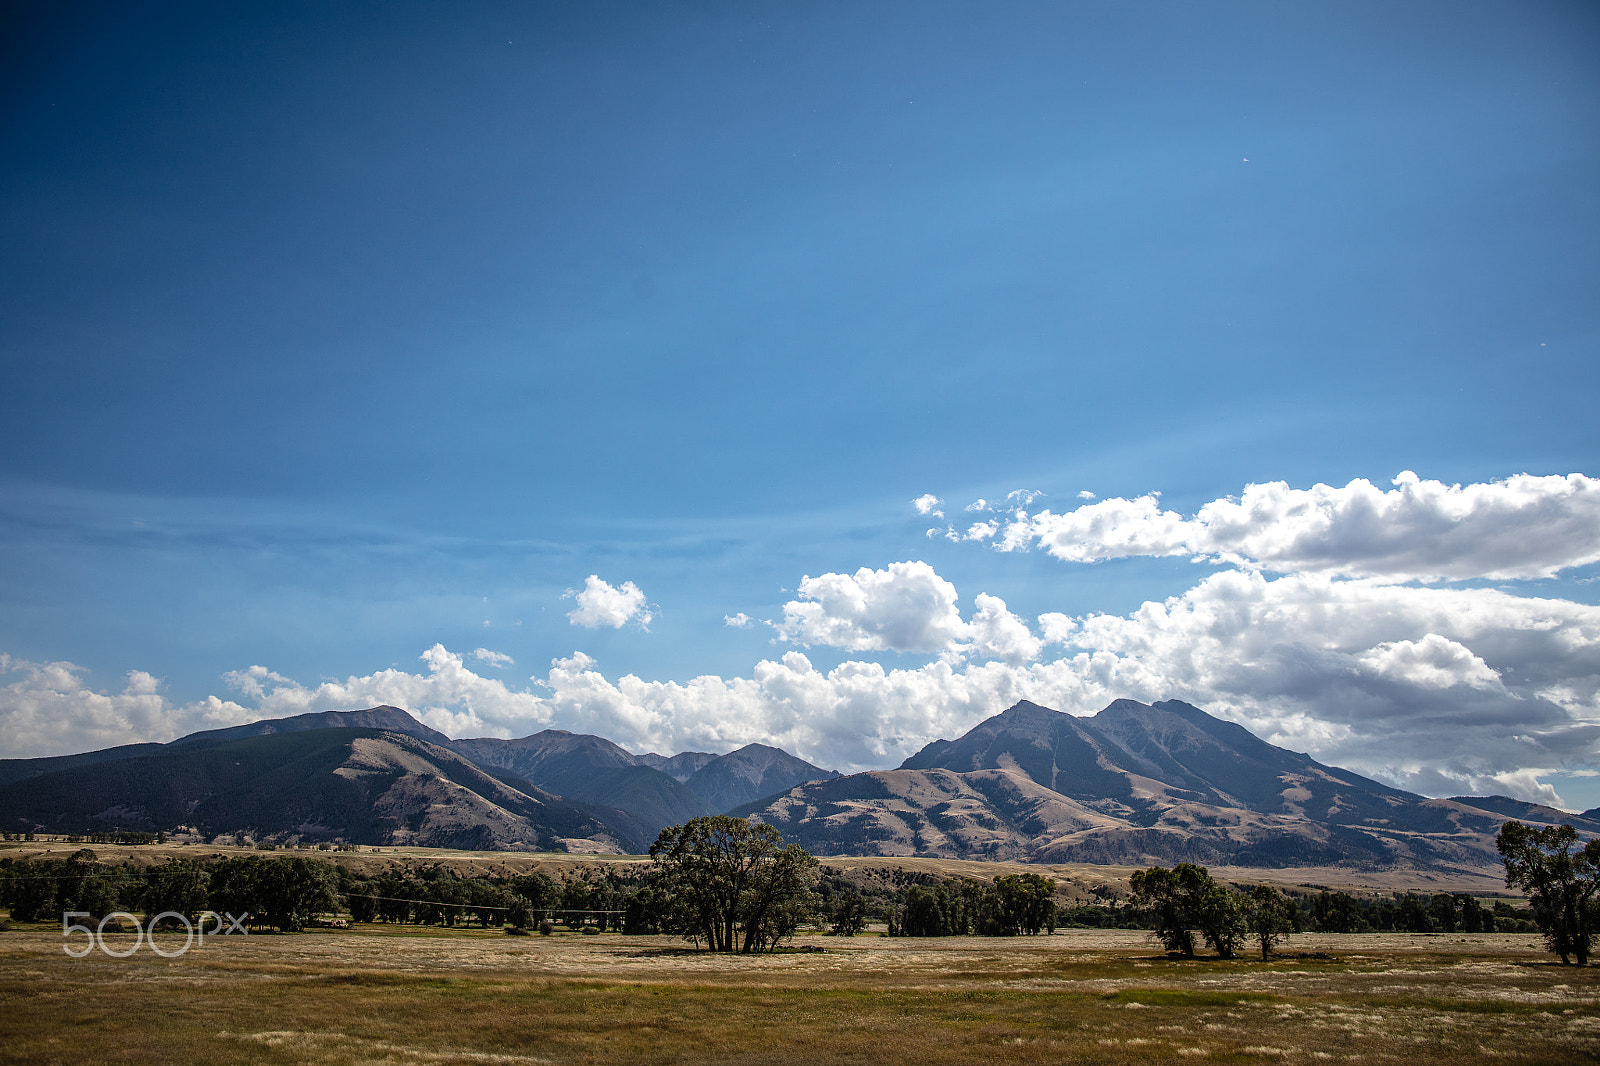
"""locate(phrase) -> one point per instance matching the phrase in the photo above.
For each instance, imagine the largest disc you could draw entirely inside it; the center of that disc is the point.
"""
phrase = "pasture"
(377, 995)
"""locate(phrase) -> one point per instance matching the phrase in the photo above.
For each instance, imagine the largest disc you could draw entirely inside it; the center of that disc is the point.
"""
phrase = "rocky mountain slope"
(594, 770)
(391, 718)
(628, 798)
(1134, 784)
(367, 786)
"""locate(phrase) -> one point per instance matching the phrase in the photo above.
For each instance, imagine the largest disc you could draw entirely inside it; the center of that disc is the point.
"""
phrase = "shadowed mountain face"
(752, 772)
(391, 718)
(386, 717)
(1135, 784)
(679, 767)
(593, 770)
(367, 786)
(630, 798)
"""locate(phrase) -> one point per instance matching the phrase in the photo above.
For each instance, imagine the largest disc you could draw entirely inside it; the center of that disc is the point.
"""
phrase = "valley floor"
(421, 995)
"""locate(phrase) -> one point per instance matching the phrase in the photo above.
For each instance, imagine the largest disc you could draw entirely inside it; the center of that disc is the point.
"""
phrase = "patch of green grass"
(1186, 997)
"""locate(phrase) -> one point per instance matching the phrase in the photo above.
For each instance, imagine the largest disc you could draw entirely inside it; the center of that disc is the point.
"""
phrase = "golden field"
(379, 995)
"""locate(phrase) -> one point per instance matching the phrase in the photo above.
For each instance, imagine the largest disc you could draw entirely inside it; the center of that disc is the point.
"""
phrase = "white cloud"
(978, 505)
(1432, 662)
(1022, 497)
(904, 607)
(1056, 627)
(996, 633)
(48, 709)
(1522, 527)
(737, 621)
(1085, 494)
(601, 604)
(493, 658)
(928, 504)
(1448, 691)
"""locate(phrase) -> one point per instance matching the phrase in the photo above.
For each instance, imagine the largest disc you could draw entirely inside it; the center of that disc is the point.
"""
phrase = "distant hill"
(751, 773)
(367, 786)
(384, 717)
(393, 719)
(1134, 784)
(679, 767)
(591, 769)
(1532, 813)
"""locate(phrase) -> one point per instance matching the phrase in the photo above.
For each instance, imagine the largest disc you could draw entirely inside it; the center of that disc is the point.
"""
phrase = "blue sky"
(335, 333)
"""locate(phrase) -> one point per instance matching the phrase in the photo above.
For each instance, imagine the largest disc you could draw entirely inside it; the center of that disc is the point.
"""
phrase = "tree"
(520, 915)
(732, 884)
(1560, 878)
(849, 914)
(1271, 915)
(1026, 903)
(1186, 900)
(176, 886)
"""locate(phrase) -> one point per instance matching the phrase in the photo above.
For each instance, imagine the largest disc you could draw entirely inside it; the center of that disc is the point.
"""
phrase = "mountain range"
(379, 776)
(1132, 785)
(1136, 784)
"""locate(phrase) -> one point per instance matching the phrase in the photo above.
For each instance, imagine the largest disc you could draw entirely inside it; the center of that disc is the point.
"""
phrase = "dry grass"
(1078, 882)
(1082, 996)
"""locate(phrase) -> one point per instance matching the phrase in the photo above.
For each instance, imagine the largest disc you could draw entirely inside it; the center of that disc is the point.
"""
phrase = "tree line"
(277, 893)
(732, 886)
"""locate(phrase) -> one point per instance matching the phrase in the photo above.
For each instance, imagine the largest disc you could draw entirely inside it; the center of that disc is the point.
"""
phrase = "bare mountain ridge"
(361, 785)
(1136, 784)
(630, 799)
(590, 768)
(385, 717)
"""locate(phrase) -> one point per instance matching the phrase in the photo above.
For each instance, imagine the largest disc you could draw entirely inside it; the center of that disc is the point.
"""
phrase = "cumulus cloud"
(1085, 494)
(996, 633)
(928, 504)
(1420, 530)
(493, 658)
(904, 607)
(602, 604)
(736, 621)
(48, 709)
(1446, 691)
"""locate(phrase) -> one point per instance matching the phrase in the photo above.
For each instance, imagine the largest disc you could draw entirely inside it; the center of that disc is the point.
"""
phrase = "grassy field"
(414, 995)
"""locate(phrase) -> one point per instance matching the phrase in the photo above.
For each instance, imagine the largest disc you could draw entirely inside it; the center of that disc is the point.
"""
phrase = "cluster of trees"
(1015, 904)
(1339, 912)
(277, 893)
(1186, 903)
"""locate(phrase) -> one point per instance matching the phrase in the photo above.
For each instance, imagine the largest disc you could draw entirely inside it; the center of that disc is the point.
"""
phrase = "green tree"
(520, 916)
(1334, 912)
(732, 884)
(1271, 915)
(1025, 902)
(176, 886)
(922, 915)
(1186, 900)
(849, 914)
(1560, 875)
